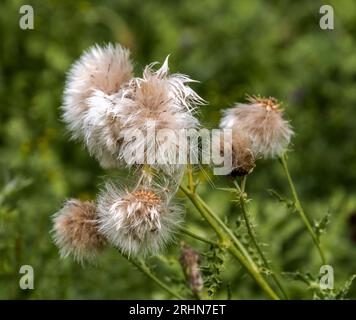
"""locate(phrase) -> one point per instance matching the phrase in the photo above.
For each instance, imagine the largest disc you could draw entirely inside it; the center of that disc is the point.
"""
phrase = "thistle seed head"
(75, 230)
(160, 103)
(92, 83)
(141, 221)
(243, 160)
(262, 122)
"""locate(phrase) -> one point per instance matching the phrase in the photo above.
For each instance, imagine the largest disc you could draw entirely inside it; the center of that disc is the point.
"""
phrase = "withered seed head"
(189, 261)
(141, 221)
(76, 230)
(261, 120)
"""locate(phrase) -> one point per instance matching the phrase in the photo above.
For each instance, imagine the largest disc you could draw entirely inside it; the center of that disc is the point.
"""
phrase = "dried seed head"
(262, 122)
(189, 261)
(92, 83)
(243, 160)
(160, 103)
(141, 221)
(108, 108)
(240, 151)
(75, 230)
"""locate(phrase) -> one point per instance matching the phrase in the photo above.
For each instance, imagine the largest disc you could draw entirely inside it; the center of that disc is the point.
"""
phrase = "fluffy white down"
(134, 226)
(270, 134)
(159, 103)
(104, 105)
(92, 83)
(75, 230)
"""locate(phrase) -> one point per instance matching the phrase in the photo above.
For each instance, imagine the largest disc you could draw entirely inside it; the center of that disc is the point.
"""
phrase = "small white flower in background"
(75, 230)
(141, 221)
(262, 122)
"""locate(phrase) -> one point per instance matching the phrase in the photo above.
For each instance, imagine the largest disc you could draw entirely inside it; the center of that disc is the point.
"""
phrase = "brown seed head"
(269, 103)
(189, 261)
(76, 230)
(147, 197)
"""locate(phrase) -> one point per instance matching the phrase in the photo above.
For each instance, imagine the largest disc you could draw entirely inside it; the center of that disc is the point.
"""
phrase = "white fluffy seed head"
(91, 83)
(142, 221)
(157, 103)
(75, 230)
(262, 122)
(105, 106)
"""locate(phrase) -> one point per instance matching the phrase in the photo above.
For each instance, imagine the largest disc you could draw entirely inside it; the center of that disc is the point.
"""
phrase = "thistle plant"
(105, 105)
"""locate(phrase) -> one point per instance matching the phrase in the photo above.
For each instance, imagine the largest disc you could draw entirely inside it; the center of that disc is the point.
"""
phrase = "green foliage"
(313, 284)
(214, 259)
(232, 48)
(320, 226)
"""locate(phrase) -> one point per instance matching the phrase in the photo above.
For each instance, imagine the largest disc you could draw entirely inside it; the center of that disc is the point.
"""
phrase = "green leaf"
(320, 227)
(342, 293)
(289, 203)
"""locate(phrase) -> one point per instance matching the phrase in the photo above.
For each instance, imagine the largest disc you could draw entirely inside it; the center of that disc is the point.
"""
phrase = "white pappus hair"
(263, 123)
(142, 221)
(92, 82)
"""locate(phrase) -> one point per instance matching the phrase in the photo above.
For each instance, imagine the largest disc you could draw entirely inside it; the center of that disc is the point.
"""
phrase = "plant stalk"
(252, 235)
(299, 208)
(197, 237)
(226, 235)
(141, 265)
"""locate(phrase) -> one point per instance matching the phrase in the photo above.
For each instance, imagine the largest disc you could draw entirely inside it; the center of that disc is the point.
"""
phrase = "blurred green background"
(232, 47)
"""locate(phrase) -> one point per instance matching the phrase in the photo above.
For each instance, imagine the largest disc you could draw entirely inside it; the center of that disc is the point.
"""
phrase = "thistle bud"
(189, 261)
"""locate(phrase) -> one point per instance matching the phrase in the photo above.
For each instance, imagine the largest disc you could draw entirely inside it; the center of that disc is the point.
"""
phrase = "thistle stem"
(250, 232)
(142, 266)
(226, 235)
(200, 238)
(299, 208)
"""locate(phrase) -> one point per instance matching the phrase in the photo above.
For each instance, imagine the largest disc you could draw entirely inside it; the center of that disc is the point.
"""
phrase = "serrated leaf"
(299, 276)
(320, 227)
(342, 293)
(289, 203)
(215, 259)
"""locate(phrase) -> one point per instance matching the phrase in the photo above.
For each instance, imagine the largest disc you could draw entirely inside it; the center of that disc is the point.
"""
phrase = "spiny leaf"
(306, 278)
(289, 203)
(342, 292)
(231, 190)
(215, 259)
(320, 227)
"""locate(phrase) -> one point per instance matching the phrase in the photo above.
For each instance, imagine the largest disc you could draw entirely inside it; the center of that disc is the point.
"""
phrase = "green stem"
(200, 238)
(146, 270)
(299, 208)
(252, 235)
(225, 234)
(193, 198)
